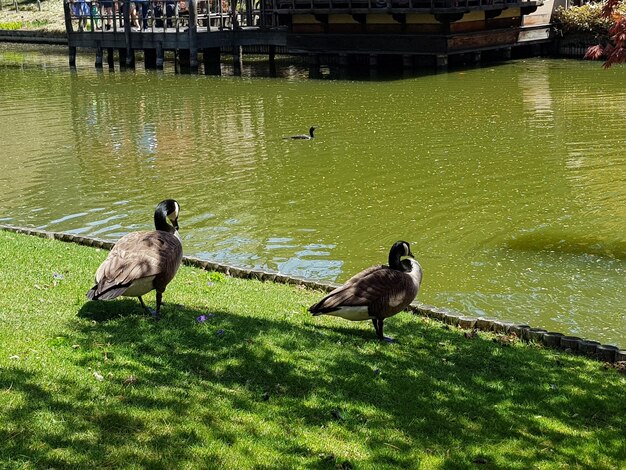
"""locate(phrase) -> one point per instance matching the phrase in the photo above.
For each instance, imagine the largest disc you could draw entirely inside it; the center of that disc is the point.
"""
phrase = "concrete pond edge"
(573, 344)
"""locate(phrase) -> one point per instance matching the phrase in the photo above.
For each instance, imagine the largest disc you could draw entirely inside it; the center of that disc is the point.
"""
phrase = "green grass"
(11, 25)
(262, 384)
(15, 25)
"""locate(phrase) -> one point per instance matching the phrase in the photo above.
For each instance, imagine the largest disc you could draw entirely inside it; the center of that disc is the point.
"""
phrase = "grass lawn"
(29, 16)
(262, 384)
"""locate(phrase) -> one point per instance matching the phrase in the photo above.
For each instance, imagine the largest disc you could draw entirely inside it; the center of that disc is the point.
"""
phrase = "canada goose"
(304, 136)
(142, 261)
(376, 293)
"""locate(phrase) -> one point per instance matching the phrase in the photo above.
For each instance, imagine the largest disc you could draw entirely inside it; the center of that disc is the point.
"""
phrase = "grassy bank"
(261, 384)
(29, 17)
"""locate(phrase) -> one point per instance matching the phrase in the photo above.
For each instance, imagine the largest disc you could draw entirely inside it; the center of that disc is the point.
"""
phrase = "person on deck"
(106, 13)
(142, 8)
(82, 12)
(170, 12)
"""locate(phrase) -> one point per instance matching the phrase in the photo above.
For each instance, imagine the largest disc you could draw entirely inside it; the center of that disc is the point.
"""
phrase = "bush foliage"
(586, 19)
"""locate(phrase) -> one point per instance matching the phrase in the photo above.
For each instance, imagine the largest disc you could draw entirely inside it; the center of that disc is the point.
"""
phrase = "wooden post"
(72, 56)
(159, 56)
(407, 61)
(272, 54)
(130, 54)
(183, 60)
(68, 17)
(211, 59)
(249, 7)
(110, 58)
(122, 54)
(233, 14)
(442, 62)
(237, 59)
(130, 58)
(314, 65)
(343, 59)
(98, 55)
(506, 53)
(272, 60)
(150, 59)
(373, 62)
(192, 31)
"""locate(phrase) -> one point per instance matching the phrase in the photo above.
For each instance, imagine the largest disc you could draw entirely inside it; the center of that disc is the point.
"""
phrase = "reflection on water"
(508, 181)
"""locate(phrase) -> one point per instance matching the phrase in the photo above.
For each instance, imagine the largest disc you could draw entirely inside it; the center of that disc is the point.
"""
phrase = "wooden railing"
(156, 15)
(400, 5)
(176, 15)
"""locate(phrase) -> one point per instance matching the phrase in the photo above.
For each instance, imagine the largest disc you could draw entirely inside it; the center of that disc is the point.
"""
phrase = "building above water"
(417, 32)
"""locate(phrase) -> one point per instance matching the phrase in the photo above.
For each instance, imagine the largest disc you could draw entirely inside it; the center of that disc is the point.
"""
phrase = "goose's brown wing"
(135, 256)
(373, 287)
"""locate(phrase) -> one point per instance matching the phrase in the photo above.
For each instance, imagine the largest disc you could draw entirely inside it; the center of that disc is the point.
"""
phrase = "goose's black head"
(311, 130)
(398, 250)
(167, 210)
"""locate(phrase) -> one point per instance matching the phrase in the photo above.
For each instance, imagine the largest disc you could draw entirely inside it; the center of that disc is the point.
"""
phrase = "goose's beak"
(176, 224)
(411, 255)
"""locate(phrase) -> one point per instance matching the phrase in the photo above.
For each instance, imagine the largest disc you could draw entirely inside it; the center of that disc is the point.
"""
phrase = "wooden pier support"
(130, 58)
(407, 61)
(442, 62)
(237, 60)
(506, 53)
(72, 56)
(211, 60)
(160, 57)
(343, 60)
(314, 66)
(272, 54)
(150, 59)
(99, 56)
(272, 60)
(373, 61)
(122, 56)
(110, 58)
(129, 55)
(192, 31)
(183, 60)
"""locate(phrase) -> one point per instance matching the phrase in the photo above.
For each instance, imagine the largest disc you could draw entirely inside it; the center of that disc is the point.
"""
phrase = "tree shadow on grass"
(237, 388)
(102, 311)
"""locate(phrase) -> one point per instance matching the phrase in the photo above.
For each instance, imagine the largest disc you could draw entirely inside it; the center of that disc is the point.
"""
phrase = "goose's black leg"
(159, 299)
(380, 333)
(375, 323)
(148, 309)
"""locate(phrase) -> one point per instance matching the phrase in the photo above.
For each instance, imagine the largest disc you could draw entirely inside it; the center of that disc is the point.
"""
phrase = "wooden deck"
(408, 28)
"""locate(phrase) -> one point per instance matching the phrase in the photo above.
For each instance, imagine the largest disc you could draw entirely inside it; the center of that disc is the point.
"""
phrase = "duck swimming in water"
(303, 136)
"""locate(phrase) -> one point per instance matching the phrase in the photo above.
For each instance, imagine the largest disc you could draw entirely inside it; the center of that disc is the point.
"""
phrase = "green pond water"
(509, 181)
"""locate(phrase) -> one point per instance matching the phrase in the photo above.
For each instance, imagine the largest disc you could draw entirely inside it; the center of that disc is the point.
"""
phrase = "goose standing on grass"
(304, 136)
(376, 293)
(142, 261)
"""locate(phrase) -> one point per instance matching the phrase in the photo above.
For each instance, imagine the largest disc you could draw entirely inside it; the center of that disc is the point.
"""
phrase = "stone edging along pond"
(574, 344)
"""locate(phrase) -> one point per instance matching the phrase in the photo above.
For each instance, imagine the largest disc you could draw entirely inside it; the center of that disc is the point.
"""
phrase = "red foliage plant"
(615, 50)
